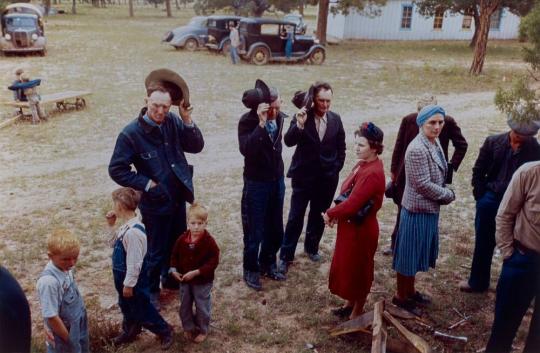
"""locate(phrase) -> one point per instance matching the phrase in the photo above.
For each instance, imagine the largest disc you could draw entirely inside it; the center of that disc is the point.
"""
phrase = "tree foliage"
(366, 7)
(523, 99)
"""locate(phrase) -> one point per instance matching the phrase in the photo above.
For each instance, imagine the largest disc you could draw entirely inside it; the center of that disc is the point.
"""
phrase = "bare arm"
(58, 327)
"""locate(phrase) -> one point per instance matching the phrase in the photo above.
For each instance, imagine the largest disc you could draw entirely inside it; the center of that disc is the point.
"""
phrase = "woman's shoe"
(343, 312)
(407, 304)
(421, 298)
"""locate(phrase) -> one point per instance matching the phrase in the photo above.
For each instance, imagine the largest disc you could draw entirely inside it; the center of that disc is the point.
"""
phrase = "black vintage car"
(218, 32)
(262, 41)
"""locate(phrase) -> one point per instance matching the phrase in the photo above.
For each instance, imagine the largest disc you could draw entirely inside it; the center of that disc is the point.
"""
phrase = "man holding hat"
(259, 138)
(319, 137)
(155, 143)
(500, 156)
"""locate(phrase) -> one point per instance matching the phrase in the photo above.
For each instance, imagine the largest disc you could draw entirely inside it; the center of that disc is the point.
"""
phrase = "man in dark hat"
(319, 138)
(259, 137)
(500, 156)
(155, 143)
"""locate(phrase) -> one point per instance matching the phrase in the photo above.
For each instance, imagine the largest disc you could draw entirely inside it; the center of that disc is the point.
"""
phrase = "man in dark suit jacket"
(407, 132)
(319, 138)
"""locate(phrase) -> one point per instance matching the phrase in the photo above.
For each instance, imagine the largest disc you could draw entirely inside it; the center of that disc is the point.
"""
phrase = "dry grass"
(55, 174)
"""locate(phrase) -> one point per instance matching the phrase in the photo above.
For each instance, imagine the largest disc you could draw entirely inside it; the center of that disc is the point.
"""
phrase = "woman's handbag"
(362, 212)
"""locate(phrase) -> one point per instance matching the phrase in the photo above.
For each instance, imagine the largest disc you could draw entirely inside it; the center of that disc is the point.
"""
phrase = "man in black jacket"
(259, 137)
(319, 138)
(500, 156)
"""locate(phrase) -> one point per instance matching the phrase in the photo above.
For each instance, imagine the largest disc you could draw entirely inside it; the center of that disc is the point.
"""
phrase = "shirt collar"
(55, 269)
(321, 118)
(150, 121)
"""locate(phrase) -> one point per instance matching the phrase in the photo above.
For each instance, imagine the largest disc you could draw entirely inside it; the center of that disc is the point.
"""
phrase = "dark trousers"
(262, 222)
(484, 225)
(518, 285)
(137, 311)
(162, 232)
(318, 193)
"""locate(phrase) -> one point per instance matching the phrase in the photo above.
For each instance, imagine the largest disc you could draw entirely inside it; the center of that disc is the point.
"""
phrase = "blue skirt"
(417, 243)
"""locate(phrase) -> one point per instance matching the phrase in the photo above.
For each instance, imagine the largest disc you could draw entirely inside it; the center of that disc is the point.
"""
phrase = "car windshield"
(197, 22)
(20, 22)
(294, 19)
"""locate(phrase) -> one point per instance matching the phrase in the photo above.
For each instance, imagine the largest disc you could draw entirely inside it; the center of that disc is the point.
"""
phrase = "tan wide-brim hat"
(173, 82)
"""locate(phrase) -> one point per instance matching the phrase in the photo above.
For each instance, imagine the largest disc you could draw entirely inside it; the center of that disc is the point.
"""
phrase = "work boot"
(252, 280)
(272, 273)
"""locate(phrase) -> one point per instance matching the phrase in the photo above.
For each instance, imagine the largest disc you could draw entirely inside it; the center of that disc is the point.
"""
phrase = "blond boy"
(61, 303)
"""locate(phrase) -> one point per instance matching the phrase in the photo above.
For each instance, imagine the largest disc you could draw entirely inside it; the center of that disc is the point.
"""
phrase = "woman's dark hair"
(373, 134)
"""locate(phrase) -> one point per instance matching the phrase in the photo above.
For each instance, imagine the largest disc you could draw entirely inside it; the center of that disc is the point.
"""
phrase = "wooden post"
(378, 342)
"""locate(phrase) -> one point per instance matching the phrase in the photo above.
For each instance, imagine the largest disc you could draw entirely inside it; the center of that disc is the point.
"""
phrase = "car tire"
(43, 52)
(317, 56)
(191, 44)
(259, 56)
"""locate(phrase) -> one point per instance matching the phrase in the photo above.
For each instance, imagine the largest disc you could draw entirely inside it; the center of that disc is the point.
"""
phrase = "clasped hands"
(186, 277)
(328, 221)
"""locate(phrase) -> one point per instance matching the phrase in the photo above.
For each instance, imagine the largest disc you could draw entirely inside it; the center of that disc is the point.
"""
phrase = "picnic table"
(63, 100)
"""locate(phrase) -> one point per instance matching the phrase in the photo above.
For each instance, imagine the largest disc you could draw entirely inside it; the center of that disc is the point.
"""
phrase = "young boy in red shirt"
(194, 259)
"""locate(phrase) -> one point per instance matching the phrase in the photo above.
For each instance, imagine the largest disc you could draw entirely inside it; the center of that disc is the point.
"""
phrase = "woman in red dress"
(351, 272)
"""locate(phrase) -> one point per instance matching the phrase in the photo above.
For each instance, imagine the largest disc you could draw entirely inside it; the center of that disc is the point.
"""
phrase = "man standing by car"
(319, 138)
(259, 138)
(235, 42)
(154, 143)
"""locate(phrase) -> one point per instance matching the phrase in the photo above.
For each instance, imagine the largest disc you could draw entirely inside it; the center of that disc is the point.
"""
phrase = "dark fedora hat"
(172, 82)
(303, 98)
(255, 96)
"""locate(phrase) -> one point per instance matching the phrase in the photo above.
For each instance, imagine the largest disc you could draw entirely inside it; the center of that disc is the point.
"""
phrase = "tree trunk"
(476, 18)
(487, 7)
(73, 7)
(177, 4)
(322, 20)
(301, 8)
(168, 8)
(131, 12)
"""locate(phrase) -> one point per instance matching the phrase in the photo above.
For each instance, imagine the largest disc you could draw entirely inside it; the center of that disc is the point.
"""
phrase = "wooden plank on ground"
(418, 342)
(358, 324)
(378, 342)
(10, 121)
(51, 98)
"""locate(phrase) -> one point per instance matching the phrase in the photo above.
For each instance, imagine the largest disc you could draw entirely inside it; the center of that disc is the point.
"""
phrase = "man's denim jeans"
(234, 55)
(262, 221)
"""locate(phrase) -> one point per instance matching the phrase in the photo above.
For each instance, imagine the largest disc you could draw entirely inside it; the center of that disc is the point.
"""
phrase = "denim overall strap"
(119, 254)
(73, 314)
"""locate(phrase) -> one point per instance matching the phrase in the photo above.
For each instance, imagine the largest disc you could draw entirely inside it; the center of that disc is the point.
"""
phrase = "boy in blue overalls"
(61, 303)
(130, 272)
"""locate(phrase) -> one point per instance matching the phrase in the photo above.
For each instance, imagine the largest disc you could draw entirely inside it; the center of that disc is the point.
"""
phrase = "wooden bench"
(63, 100)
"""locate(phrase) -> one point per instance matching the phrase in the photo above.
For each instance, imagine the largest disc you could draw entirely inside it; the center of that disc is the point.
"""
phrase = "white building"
(400, 20)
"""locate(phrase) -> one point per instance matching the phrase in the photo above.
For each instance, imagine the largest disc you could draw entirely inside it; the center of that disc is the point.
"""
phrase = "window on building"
(467, 20)
(406, 17)
(495, 23)
(439, 18)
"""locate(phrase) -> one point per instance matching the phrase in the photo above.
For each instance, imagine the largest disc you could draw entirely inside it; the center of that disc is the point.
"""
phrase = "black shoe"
(343, 312)
(252, 280)
(166, 341)
(421, 298)
(273, 273)
(314, 257)
(122, 339)
(283, 266)
(407, 304)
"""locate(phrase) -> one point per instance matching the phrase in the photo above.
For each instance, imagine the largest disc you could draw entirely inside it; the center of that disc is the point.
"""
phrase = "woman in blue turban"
(417, 243)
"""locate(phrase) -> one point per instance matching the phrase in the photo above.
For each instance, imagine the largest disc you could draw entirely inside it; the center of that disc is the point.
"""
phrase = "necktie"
(271, 127)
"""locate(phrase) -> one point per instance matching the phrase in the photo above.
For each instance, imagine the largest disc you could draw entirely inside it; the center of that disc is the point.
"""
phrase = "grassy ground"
(55, 174)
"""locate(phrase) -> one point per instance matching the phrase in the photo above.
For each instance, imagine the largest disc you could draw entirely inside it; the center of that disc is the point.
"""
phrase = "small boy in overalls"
(61, 303)
(194, 260)
(130, 272)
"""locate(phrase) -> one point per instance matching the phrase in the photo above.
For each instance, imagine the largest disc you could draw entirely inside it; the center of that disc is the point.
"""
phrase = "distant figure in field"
(18, 94)
(235, 42)
(29, 89)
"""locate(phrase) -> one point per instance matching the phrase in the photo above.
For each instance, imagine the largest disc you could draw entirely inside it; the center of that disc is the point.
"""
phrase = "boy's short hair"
(197, 211)
(128, 197)
(19, 72)
(61, 241)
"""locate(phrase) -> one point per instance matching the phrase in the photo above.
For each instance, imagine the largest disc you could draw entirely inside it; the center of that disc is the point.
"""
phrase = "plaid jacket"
(425, 170)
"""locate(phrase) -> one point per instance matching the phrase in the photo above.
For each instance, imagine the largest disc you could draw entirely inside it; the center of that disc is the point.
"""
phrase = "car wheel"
(43, 52)
(260, 56)
(191, 44)
(226, 48)
(317, 57)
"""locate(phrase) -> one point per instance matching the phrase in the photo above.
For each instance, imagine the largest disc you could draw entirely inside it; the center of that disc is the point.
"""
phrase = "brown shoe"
(200, 338)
